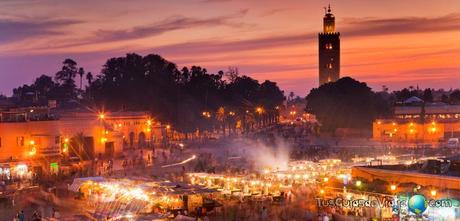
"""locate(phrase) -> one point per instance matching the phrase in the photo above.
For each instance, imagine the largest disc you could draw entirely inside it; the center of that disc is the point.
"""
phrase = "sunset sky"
(394, 43)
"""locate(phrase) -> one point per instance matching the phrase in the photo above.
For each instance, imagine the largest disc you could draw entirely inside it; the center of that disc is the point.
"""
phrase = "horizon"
(389, 43)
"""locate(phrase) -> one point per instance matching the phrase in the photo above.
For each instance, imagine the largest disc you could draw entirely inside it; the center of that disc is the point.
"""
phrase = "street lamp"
(102, 116)
(103, 139)
(206, 114)
(259, 110)
(33, 149)
(393, 187)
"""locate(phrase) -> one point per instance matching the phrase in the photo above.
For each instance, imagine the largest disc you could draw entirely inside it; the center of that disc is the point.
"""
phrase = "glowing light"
(149, 122)
(32, 142)
(168, 126)
(358, 183)
(326, 179)
(433, 193)
(379, 122)
(33, 151)
(321, 191)
(21, 169)
(206, 114)
(101, 116)
(103, 139)
(180, 163)
(66, 140)
(393, 187)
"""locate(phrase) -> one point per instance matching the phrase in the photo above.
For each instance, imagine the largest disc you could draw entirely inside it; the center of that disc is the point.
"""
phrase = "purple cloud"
(15, 30)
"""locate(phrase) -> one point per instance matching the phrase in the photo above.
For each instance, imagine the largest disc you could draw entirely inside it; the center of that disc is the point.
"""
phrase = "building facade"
(27, 136)
(419, 123)
(329, 50)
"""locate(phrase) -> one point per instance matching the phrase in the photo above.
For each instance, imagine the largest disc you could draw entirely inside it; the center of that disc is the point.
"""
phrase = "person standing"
(21, 216)
(264, 213)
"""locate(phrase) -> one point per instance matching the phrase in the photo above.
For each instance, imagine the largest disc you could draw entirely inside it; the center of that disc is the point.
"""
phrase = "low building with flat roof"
(432, 122)
(40, 136)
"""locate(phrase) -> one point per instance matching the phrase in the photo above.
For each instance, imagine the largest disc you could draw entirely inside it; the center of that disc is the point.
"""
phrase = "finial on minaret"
(325, 11)
(329, 8)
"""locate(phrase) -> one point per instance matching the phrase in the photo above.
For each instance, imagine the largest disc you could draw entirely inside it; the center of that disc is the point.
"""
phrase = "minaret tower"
(329, 50)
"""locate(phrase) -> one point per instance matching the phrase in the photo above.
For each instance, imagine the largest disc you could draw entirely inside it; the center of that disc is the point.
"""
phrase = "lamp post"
(260, 111)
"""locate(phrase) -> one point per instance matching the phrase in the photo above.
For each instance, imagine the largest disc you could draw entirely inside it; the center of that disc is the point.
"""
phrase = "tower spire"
(329, 8)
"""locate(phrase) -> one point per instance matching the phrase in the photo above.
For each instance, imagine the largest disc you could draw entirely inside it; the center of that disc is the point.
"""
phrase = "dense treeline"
(191, 98)
(348, 103)
(188, 99)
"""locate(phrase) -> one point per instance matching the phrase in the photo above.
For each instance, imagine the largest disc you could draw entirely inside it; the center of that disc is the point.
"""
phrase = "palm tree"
(81, 72)
(89, 78)
(68, 71)
(291, 96)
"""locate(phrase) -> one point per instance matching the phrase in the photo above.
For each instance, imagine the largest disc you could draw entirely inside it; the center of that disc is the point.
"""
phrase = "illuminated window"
(329, 66)
(329, 46)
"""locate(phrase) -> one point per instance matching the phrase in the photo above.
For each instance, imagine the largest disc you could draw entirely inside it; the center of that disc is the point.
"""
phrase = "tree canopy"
(190, 98)
(181, 97)
(346, 103)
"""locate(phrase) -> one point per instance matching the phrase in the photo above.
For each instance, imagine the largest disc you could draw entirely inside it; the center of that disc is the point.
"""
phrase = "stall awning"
(77, 182)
